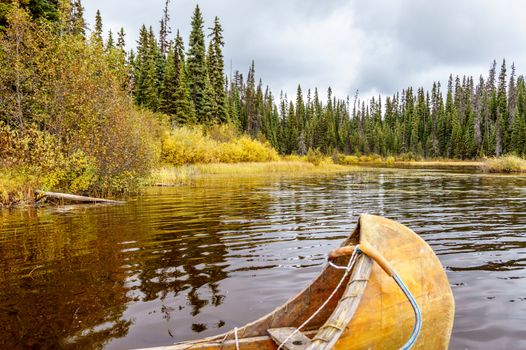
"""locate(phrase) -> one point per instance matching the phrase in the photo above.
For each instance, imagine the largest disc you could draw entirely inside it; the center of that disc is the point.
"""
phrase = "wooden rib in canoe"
(374, 312)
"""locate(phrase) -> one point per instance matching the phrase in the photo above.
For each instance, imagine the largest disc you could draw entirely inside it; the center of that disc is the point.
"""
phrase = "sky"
(375, 47)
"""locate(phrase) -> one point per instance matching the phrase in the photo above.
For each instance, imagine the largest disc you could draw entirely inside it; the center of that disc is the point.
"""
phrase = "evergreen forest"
(470, 117)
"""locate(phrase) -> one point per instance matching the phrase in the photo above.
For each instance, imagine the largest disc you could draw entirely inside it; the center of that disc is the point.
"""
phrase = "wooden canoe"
(369, 311)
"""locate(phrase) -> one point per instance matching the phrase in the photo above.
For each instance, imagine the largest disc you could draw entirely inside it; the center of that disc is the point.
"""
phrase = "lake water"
(188, 262)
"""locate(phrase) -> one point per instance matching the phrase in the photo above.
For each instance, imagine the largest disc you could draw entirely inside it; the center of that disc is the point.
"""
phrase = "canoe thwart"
(298, 341)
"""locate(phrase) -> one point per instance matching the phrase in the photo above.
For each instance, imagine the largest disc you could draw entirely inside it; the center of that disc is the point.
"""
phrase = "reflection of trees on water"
(61, 289)
(66, 277)
(184, 259)
(190, 246)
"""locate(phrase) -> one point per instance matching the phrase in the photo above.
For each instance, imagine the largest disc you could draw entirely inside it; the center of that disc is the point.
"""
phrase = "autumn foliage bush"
(192, 145)
(65, 111)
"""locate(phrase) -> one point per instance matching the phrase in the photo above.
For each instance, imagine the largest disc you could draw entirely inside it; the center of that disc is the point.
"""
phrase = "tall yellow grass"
(170, 175)
(505, 164)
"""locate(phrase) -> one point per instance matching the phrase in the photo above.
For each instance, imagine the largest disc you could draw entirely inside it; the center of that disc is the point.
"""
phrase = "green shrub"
(222, 132)
(74, 125)
(406, 157)
(348, 160)
(364, 159)
(315, 157)
(17, 185)
(375, 158)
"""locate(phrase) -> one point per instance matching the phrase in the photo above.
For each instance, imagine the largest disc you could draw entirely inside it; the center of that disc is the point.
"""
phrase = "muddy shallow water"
(183, 263)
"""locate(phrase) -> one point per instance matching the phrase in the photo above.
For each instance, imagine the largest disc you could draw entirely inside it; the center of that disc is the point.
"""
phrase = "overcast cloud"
(376, 47)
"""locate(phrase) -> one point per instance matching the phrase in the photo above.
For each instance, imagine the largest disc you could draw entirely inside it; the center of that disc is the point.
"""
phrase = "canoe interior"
(291, 314)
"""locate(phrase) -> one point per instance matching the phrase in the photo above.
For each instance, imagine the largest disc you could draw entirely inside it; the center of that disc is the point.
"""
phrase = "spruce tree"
(170, 83)
(216, 70)
(139, 66)
(197, 73)
(121, 40)
(209, 103)
(78, 24)
(185, 112)
(164, 29)
(502, 113)
(253, 122)
(110, 43)
(97, 33)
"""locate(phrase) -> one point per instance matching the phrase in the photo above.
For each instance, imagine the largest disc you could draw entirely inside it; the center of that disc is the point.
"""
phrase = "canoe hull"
(384, 318)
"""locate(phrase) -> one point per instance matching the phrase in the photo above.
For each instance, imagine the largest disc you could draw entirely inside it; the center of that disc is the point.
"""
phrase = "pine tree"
(197, 65)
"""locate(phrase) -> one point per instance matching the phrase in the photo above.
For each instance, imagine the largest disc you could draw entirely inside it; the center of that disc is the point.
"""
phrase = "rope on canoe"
(347, 269)
(237, 340)
(416, 309)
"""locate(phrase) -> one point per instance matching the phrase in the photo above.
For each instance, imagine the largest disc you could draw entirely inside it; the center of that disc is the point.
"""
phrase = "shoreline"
(181, 175)
(168, 175)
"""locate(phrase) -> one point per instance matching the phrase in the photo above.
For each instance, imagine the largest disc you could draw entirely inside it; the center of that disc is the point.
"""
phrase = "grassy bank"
(505, 164)
(443, 163)
(170, 175)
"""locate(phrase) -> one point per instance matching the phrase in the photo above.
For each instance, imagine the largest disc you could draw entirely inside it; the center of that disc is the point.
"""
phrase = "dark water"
(183, 263)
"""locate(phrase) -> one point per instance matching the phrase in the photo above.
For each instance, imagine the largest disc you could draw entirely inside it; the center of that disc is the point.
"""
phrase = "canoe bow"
(372, 312)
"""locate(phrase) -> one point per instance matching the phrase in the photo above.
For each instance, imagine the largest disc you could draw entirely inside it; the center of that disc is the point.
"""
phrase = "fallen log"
(76, 198)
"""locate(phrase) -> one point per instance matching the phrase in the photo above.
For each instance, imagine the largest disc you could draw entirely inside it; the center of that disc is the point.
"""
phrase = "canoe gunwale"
(330, 332)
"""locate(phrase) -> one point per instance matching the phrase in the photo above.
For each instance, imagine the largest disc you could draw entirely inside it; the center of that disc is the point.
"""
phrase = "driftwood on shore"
(76, 198)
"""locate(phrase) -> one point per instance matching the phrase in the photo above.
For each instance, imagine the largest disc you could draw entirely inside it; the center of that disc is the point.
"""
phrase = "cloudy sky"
(376, 47)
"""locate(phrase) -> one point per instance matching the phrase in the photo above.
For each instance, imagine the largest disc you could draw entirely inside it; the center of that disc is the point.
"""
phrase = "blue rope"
(418, 315)
(416, 309)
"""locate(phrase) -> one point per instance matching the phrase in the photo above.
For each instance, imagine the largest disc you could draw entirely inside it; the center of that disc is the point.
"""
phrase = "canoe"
(358, 301)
